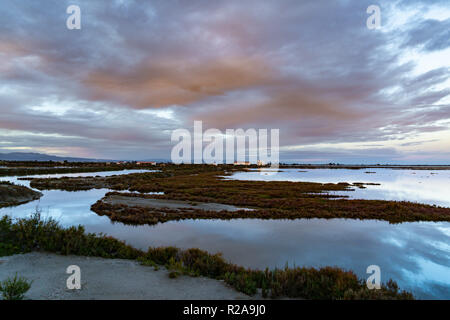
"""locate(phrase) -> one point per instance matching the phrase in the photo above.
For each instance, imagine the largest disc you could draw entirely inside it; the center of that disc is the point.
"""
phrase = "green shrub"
(7, 246)
(14, 288)
(35, 233)
(148, 263)
(173, 274)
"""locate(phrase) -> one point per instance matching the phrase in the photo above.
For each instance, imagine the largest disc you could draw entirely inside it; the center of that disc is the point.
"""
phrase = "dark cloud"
(430, 35)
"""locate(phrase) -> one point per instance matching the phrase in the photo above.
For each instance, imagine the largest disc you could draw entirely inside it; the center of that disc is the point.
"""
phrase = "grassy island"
(269, 200)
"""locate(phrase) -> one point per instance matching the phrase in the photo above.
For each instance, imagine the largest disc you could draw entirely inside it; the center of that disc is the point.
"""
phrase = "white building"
(241, 163)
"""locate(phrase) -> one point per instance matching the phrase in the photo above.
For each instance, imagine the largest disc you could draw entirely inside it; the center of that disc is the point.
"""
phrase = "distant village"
(154, 163)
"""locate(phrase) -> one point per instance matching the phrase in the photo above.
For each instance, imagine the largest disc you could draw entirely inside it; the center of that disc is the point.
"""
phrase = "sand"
(108, 279)
(171, 204)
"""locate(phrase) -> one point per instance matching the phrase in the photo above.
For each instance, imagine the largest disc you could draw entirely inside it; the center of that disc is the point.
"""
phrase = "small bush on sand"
(173, 274)
(14, 288)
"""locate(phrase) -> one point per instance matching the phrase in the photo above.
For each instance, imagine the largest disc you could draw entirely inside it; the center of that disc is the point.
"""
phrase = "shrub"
(173, 274)
(7, 246)
(14, 288)
(35, 233)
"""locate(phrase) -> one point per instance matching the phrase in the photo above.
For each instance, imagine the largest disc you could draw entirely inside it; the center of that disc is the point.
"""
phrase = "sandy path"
(171, 204)
(108, 279)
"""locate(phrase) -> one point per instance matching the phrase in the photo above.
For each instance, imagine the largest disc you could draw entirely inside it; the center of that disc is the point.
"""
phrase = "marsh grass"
(26, 169)
(309, 283)
(393, 212)
(38, 234)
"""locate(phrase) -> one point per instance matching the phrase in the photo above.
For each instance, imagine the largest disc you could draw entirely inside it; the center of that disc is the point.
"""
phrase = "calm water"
(416, 255)
(424, 186)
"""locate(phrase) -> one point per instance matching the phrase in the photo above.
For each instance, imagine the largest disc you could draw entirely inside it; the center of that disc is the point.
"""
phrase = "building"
(153, 163)
(241, 163)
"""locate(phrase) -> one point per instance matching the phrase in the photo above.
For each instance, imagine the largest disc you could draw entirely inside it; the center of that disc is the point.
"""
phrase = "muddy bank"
(116, 199)
(136, 209)
(132, 208)
(12, 195)
(108, 279)
(69, 184)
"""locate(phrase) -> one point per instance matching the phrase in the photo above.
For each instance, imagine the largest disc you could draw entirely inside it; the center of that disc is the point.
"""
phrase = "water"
(424, 186)
(68, 207)
(16, 180)
(416, 255)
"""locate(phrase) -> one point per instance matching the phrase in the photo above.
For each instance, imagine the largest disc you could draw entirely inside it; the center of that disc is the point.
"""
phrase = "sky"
(135, 71)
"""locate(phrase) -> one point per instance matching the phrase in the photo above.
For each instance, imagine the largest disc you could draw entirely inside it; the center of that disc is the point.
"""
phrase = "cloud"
(310, 68)
(168, 83)
(430, 35)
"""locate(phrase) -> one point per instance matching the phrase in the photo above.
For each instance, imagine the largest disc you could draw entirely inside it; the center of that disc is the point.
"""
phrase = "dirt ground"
(108, 279)
(171, 204)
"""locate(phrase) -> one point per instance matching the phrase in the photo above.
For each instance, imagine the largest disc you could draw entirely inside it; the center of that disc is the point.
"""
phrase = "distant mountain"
(30, 156)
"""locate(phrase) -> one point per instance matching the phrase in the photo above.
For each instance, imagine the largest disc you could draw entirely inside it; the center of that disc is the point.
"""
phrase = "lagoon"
(415, 254)
(423, 186)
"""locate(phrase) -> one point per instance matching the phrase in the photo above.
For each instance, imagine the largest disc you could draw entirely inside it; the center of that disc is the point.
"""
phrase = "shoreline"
(13, 195)
(109, 279)
(34, 234)
(358, 167)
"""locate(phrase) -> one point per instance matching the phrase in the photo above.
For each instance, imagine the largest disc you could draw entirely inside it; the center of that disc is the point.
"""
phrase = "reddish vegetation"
(351, 209)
